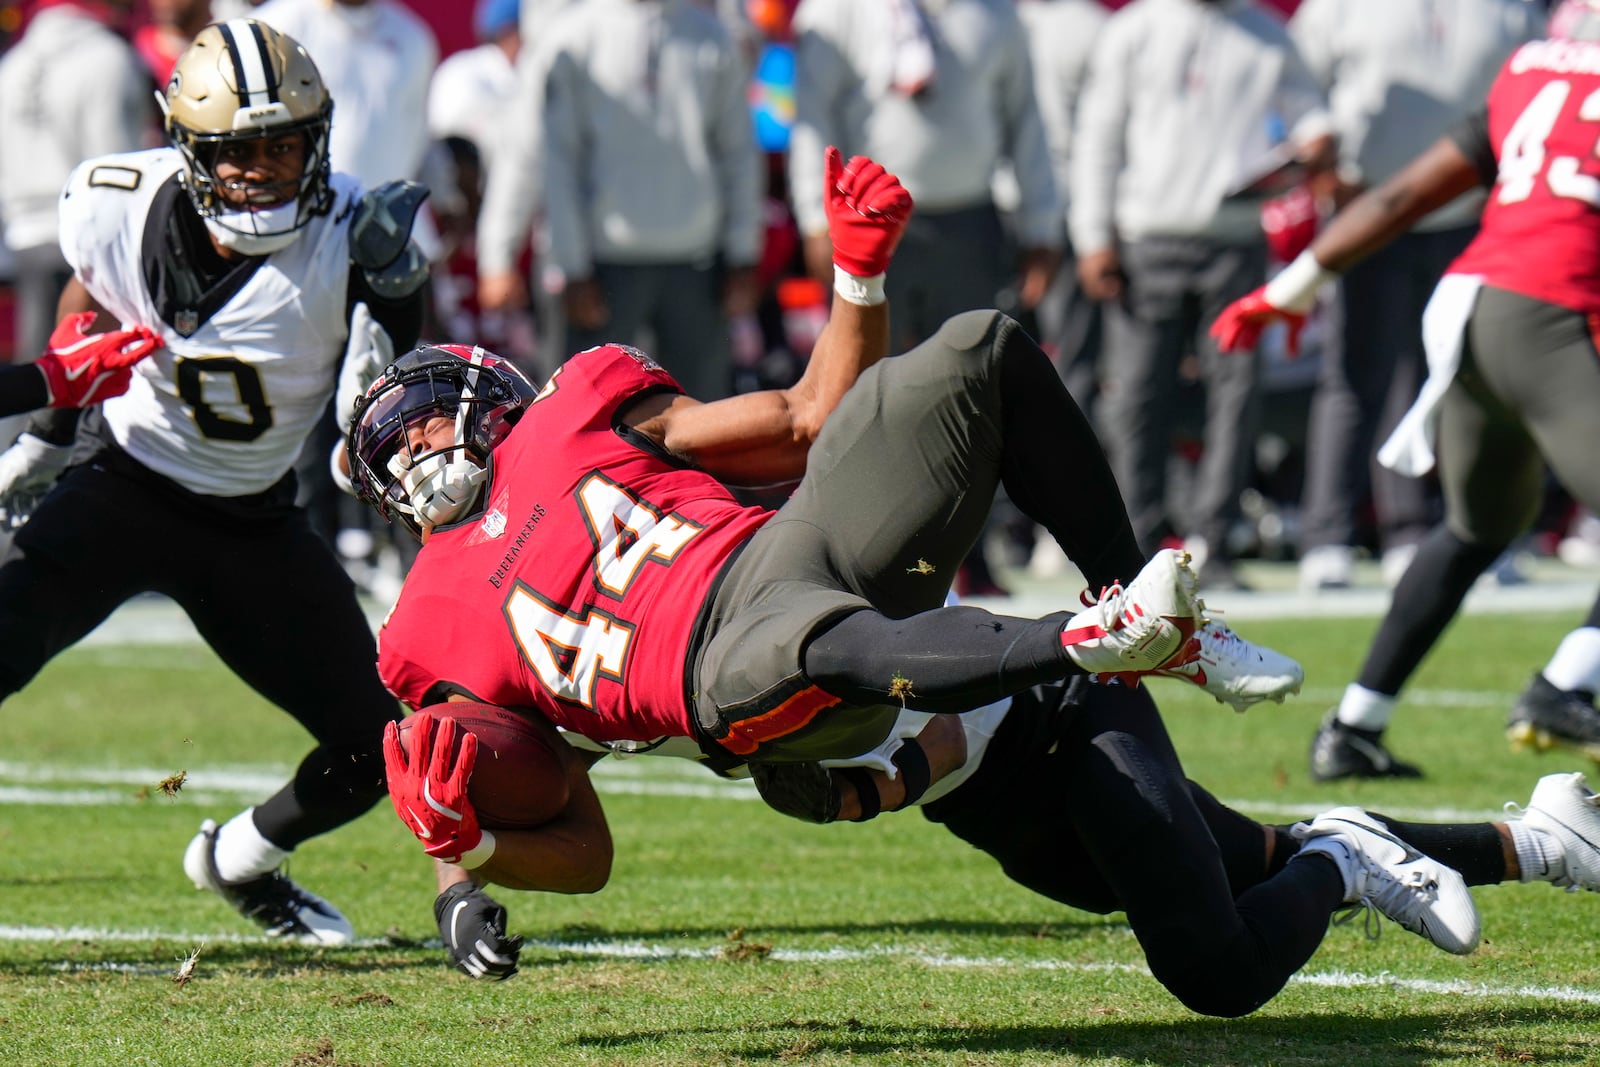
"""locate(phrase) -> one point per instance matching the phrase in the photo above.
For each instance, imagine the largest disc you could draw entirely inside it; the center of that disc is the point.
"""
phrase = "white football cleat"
(1386, 875)
(271, 900)
(1236, 671)
(1564, 807)
(1148, 624)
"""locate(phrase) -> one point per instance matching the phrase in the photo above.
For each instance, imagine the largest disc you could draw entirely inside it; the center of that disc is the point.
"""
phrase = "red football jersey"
(1540, 234)
(577, 589)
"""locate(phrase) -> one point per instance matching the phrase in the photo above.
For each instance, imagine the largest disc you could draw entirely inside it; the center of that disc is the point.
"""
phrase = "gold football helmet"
(242, 80)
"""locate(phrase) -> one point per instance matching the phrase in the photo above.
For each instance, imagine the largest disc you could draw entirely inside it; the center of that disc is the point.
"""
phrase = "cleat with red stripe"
(1144, 626)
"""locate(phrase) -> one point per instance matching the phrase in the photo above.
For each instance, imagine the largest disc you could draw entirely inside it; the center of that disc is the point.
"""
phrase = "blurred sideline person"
(249, 260)
(1180, 95)
(1514, 375)
(1397, 75)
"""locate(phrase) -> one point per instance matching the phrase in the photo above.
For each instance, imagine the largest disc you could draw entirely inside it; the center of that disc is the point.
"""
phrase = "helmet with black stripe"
(241, 81)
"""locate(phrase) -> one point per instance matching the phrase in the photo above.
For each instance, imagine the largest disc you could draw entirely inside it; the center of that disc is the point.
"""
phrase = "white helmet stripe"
(258, 85)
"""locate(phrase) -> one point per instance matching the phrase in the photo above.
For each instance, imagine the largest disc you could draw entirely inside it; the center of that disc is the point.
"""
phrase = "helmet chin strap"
(441, 487)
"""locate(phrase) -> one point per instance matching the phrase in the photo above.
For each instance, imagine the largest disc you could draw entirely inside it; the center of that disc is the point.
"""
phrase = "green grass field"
(730, 934)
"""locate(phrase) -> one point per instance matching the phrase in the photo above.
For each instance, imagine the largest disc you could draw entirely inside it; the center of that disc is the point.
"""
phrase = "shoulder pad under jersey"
(380, 239)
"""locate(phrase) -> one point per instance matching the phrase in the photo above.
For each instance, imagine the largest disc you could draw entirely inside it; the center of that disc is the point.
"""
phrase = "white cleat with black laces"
(1384, 874)
(270, 900)
(1236, 671)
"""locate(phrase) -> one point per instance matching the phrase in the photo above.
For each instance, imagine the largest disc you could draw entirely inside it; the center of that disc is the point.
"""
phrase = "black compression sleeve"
(946, 660)
(22, 389)
(401, 318)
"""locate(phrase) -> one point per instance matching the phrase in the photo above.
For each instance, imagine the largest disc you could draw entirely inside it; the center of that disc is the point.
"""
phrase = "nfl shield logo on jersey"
(186, 321)
(494, 523)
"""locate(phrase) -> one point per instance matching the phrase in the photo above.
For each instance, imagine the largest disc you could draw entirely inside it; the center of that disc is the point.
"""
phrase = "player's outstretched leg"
(1391, 877)
(1545, 716)
(1557, 835)
(269, 899)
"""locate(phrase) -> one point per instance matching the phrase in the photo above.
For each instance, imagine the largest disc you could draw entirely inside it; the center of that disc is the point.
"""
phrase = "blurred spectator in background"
(653, 182)
(1185, 99)
(1061, 36)
(172, 25)
(377, 58)
(71, 87)
(1397, 73)
(471, 91)
(941, 94)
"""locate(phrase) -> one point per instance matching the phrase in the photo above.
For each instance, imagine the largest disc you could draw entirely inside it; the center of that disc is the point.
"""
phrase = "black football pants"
(261, 588)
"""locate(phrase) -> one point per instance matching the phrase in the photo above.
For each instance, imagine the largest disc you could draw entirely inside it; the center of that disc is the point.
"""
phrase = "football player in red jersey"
(1514, 379)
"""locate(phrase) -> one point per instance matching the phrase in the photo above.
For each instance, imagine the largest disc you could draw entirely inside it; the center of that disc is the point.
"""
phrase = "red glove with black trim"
(82, 368)
(1239, 326)
(867, 211)
(429, 785)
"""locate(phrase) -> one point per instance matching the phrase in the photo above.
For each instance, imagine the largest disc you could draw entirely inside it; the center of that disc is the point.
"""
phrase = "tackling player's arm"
(1459, 161)
(763, 437)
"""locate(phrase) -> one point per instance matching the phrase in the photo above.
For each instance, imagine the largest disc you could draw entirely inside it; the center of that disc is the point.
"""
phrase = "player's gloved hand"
(473, 926)
(27, 471)
(82, 368)
(1241, 322)
(867, 210)
(366, 353)
(429, 788)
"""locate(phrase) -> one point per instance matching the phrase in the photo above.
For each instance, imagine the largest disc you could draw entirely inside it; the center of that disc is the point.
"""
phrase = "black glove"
(473, 925)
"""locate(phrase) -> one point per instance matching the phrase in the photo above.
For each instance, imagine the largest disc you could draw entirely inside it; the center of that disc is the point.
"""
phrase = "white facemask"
(256, 233)
(440, 488)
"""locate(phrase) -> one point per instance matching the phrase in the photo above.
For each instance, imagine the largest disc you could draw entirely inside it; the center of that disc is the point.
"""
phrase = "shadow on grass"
(1056, 929)
(1336, 1038)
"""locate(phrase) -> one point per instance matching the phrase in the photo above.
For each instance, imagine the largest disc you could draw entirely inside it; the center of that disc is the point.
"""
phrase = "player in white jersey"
(263, 275)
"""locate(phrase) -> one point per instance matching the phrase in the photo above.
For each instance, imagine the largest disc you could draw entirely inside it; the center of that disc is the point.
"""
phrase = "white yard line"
(637, 950)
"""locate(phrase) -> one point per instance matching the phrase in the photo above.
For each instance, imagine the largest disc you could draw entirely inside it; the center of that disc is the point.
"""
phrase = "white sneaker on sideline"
(1387, 875)
(1327, 567)
(1236, 671)
(1137, 628)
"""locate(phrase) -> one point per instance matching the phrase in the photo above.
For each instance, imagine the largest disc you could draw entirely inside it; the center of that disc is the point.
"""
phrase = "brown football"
(519, 779)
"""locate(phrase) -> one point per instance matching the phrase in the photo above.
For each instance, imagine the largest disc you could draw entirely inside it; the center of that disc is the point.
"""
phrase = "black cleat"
(1340, 751)
(1545, 717)
(271, 900)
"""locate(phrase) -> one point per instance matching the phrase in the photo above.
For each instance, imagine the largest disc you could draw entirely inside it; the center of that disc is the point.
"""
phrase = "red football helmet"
(397, 461)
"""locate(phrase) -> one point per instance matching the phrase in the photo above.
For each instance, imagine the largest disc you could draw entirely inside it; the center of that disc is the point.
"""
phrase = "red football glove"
(82, 368)
(1241, 322)
(867, 212)
(1290, 222)
(429, 790)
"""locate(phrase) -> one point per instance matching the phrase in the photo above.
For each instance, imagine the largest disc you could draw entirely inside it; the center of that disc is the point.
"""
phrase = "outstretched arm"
(1369, 222)
(763, 437)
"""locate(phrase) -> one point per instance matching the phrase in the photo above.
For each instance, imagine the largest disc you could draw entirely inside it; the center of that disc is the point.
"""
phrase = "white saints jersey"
(224, 410)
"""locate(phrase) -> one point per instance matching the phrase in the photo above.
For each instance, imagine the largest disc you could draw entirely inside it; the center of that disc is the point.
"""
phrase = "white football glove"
(27, 471)
(368, 351)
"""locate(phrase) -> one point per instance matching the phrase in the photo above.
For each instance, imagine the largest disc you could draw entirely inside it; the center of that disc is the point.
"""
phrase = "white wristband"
(1294, 288)
(479, 854)
(856, 289)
